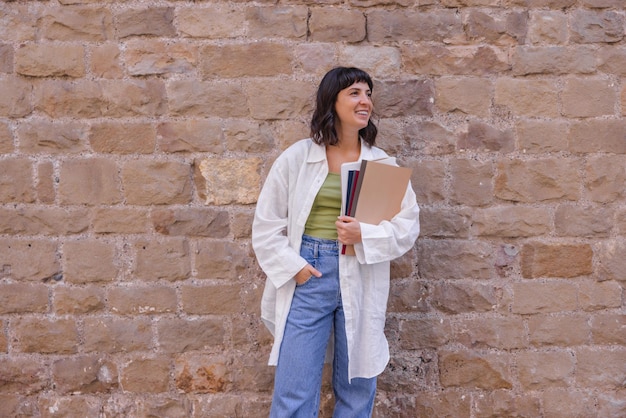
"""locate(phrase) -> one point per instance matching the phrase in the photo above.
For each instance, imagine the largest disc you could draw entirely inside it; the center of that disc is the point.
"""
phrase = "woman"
(319, 304)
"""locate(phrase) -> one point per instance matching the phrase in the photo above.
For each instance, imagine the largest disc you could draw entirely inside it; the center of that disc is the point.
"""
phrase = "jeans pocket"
(305, 282)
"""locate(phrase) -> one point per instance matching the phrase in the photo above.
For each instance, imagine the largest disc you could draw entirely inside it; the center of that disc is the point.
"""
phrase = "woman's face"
(354, 106)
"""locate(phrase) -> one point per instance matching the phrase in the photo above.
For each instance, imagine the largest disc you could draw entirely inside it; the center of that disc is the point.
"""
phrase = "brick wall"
(135, 135)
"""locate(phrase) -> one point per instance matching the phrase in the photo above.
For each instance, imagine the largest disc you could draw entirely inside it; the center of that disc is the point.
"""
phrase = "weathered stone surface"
(549, 330)
(602, 368)
(150, 21)
(45, 336)
(142, 300)
(231, 181)
(87, 374)
(121, 221)
(337, 25)
(537, 180)
(473, 370)
(403, 98)
(6, 139)
(15, 97)
(92, 181)
(511, 222)
(23, 298)
(612, 260)
(583, 98)
(213, 21)
(548, 27)
(424, 333)
(608, 329)
(180, 335)
(204, 222)
(16, 182)
(279, 100)
(527, 97)
(244, 136)
(215, 300)
(105, 61)
(612, 60)
(472, 182)
(45, 188)
(453, 223)
(209, 99)
(277, 22)
(400, 24)
(88, 261)
(499, 29)
(255, 59)
(604, 175)
(430, 138)
(162, 260)
(539, 136)
(77, 24)
(462, 60)
(123, 138)
(501, 403)
(146, 375)
(50, 60)
(204, 373)
(382, 62)
(554, 60)
(498, 333)
(583, 221)
(43, 137)
(43, 221)
(541, 370)
(450, 259)
(153, 182)
(427, 180)
(221, 260)
(600, 295)
(464, 296)
(590, 26)
(29, 260)
(23, 375)
(598, 136)
(535, 298)
(76, 300)
(117, 335)
(191, 135)
(469, 95)
(553, 260)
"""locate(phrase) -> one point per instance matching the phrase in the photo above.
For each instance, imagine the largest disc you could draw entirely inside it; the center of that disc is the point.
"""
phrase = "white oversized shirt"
(281, 213)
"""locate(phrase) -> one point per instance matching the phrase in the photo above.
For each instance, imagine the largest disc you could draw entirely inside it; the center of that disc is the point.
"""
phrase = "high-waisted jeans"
(316, 312)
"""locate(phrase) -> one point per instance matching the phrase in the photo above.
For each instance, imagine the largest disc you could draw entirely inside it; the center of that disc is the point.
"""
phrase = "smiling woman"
(314, 297)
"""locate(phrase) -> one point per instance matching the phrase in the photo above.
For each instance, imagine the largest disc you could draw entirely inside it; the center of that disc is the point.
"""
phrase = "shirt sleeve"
(390, 239)
(270, 242)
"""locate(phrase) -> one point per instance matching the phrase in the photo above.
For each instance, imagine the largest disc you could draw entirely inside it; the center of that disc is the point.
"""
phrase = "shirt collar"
(318, 152)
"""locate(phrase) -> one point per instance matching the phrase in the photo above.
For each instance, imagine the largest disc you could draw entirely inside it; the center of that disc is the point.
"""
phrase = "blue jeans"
(316, 312)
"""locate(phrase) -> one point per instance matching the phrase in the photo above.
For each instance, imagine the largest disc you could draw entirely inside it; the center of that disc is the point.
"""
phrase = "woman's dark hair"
(323, 120)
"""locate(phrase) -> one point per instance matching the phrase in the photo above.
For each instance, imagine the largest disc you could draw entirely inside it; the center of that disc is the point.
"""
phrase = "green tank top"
(326, 208)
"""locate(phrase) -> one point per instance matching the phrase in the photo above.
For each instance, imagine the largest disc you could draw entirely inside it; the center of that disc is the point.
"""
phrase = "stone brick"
(146, 375)
(468, 369)
(611, 404)
(150, 21)
(104, 98)
(604, 175)
(75, 300)
(544, 180)
(563, 331)
(50, 60)
(142, 300)
(547, 27)
(183, 335)
(212, 21)
(45, 336)
(608, 329)
(77, 24)
(204, 374)
(92, 181)
(74, 404)
(221, 260)
(428, 59)
(23, 298)
(583, 98)
(245, 136)
(23, 375)
(503, 403)
(467, 95)
(153, 182)
(241, 226)
(277, 22)
(553, 60)
(15, 97)
(591, 26)
(337, 25)
(556, 260)
(89, 261)
(161, 260)
(428, 180)
(541, 370)
(504, 333)
(191, 135)
(84, 374)
(409, 296)
(543, 297)
(6, 139)
(612, 260)
(599, 295)
(257, 59)
(16, 181)
(252, 373)
(424, 333)
(204, 222)
(43, 221)
(422, 403)
(603, 369)
(279, 99)
(511, 222)
(575, 221)
(496, 28)
(211, 300)
(45, 188)
(4, 343)
(105, 61)
(382, 62)
(403, 98)
(6, 58)
(29, 260)
(484, 137)
(541, 136)
(166, 406)
(123, 138)
(230, 180)
(414, 25)
(451, 259)
(451, 223)
(43, 137)
(316, 58)
(471, 183)
(527, 97)
(464, 296)
(148, 57)
(121, 221)
(117, 335)
(430, 138)
(612, 60)
(598, 135)
(565, 403)
(191, 98)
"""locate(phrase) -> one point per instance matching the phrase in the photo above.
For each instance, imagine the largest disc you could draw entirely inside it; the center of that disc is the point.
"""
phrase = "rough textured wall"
(134, 137)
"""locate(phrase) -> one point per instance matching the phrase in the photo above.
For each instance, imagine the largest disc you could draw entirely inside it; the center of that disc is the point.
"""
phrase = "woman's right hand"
(306, 273)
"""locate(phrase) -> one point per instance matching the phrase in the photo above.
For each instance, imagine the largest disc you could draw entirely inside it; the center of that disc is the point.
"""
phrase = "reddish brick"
(545, 260)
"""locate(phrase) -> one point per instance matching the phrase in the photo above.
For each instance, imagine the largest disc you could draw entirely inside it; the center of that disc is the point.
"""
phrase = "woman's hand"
(306, 273)
(348, 230)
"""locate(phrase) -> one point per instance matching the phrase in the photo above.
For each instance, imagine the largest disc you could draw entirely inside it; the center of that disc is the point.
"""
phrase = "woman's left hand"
(348, 230)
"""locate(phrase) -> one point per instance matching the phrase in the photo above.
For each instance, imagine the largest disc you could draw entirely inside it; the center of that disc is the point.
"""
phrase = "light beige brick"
(153, 182)
(51, 60)
(532, 97)
(541, 370)
(277, 22)
(556, 260)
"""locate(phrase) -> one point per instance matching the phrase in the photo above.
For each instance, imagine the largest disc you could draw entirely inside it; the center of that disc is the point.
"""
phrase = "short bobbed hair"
(323, 121)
